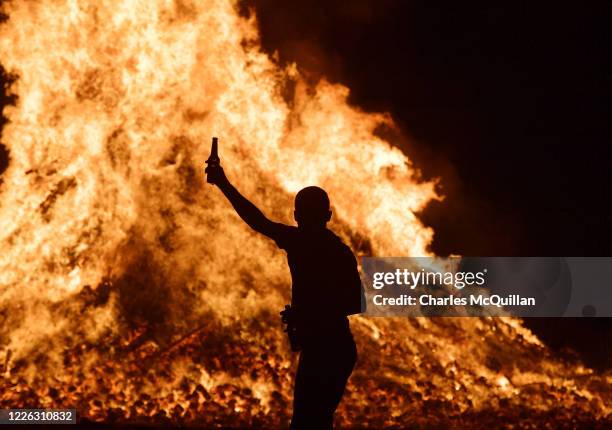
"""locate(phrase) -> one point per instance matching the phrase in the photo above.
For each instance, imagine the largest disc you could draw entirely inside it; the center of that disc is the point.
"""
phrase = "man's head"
(312, 208)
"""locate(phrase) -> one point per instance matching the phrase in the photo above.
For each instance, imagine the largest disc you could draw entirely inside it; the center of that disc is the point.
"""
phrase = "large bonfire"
(131, 291)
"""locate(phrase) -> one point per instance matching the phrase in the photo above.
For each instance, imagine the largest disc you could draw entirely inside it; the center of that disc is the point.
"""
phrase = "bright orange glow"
(129, 288)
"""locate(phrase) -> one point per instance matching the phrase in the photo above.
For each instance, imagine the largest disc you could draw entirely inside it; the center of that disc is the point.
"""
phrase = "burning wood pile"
(130, 292)
(226, 377)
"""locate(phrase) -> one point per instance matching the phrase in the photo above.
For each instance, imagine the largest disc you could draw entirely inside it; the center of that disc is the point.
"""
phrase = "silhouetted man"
(326, 289)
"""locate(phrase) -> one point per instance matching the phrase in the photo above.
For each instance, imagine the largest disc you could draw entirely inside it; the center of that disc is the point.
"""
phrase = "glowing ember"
(130, 290)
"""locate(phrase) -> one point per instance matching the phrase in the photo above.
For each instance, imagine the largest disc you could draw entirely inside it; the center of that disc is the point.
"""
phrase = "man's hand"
(287, 316)
(215, 175)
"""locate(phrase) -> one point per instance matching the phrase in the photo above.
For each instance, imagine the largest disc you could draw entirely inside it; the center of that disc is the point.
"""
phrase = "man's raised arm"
(245, 209)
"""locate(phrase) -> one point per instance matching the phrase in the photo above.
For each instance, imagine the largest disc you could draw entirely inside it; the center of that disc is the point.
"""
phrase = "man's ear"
(329, 215)
(295, 216)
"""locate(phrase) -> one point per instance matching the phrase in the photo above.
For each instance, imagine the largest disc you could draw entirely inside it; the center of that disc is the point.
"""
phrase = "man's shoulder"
(341, 246)
(338, 238)
(284, 234)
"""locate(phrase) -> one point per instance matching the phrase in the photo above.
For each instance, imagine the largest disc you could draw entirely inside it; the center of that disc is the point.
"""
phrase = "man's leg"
(300, 397)
(319, 384)
(310, 390)
(342, 369)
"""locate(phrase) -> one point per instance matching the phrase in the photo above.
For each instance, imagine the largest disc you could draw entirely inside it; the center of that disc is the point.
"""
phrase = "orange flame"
(116, 106)
(115, 250)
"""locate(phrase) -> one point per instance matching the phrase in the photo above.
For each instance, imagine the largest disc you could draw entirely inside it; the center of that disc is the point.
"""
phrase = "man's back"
(326, 284)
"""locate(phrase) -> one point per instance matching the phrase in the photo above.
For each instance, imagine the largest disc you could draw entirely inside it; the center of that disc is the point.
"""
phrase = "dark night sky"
(504, 100)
